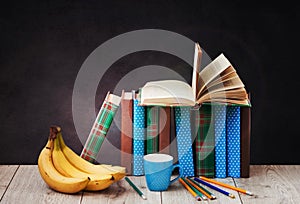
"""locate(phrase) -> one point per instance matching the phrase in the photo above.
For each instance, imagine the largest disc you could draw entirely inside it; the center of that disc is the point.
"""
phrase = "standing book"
(205, 143)
(152, 140)
(126, 130)
(164, 130)
(184, 140)
(138, 136)
(219, 112)
(245, 141)
(100, 127)
(233, 141)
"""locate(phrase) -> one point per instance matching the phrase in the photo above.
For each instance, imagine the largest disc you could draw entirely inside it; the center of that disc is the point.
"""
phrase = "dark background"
(43, 45)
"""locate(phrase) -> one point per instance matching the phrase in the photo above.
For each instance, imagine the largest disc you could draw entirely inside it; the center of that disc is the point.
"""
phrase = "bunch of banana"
(65, 171)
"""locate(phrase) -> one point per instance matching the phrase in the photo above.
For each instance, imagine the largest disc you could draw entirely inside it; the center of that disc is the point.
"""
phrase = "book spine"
(233, 141)
(126, 134)
(138, 138)
(100, 128)
(205, 144)
(245, 141)
(152, 129)
(164, 129)
(195, 124)
(173, 141)
(219, 112)
(184, 140)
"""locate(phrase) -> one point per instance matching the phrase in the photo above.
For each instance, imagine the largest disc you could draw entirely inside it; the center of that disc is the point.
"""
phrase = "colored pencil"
(200, 194)
(226, 185)
(189, 189)
(135, 188)
(214, 187)
(208, 194)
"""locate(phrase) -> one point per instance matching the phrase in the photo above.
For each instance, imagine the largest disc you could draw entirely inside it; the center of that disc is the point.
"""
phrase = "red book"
(126, 131)
(164, 130)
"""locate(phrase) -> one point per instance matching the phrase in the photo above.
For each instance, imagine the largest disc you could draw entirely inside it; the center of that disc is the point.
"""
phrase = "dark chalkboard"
(44, 44)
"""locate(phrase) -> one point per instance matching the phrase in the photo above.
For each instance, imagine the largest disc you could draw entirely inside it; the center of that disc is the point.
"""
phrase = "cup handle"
(180, 172)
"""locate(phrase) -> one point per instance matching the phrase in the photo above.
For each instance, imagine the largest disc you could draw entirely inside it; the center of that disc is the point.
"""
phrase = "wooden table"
(270, 184)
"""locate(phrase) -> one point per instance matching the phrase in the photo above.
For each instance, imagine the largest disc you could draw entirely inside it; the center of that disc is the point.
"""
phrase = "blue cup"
(158, 170)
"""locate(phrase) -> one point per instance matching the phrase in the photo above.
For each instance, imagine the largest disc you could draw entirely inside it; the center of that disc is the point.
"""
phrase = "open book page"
(233, 96)
(166, 92)
(211, 71)
(196, 69)
(225, 75)
(227, 84)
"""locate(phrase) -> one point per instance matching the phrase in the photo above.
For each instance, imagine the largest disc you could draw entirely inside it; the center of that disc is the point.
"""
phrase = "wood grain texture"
(271, 184)
(121, 192)
(7, 173)
(27, 186)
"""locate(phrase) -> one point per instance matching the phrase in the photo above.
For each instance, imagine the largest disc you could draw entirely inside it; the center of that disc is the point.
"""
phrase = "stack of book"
(208, 120)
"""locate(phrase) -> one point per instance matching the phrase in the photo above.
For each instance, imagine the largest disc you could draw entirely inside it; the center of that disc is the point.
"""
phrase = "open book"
(218, 82)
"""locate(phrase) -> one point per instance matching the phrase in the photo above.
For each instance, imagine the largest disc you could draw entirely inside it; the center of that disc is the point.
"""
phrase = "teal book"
(138, 137)
(219, 112)
(184, 140)
(233, 141)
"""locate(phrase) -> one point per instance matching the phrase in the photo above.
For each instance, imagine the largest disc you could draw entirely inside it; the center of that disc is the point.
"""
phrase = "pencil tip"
(144, 197)
(249, 193)
(232, 196)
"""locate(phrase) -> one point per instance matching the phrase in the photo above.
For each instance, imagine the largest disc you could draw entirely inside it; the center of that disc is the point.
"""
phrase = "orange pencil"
(226, 185)
(189, 189)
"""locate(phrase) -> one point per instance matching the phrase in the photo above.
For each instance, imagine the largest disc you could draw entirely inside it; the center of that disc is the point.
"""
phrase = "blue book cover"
(219, 112)
(233, 141)
(184, 140)
(138, 138)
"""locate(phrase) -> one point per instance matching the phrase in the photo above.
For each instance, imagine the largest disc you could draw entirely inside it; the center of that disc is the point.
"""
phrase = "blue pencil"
(214, 187)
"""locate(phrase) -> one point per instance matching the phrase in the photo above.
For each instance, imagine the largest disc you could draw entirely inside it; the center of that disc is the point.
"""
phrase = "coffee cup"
(158, 170)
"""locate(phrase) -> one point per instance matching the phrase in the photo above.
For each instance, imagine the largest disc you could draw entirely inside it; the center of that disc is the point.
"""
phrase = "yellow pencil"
(226, 185)
(189, 189)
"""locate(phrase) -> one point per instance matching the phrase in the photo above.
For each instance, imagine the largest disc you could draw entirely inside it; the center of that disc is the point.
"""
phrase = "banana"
(61, 163)
(53, 178)
(117, 172)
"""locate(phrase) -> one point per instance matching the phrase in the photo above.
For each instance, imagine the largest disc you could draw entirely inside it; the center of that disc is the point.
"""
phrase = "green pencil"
(135, 188)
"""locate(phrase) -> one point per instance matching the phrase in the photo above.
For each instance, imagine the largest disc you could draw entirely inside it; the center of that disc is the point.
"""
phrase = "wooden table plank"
(177, 194)
(272, 184)
(27, 186)
(122, 192)
(7, 173)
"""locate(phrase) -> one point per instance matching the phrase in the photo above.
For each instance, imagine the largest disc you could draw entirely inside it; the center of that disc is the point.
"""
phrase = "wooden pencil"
(226, 185)
(189, 189)
(214, 187)
(200, 188)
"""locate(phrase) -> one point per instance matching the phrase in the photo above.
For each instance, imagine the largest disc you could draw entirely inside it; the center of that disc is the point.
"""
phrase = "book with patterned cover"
(233, 141)
(184, 140)
(205, 143)
(138, 136)
(126, 130)
(100, 127)
(219, 112)
(152, 117)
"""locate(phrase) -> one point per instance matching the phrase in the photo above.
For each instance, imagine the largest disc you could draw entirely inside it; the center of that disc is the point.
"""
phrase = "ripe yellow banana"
(117, 172)
(97, 181)
(53, 178)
